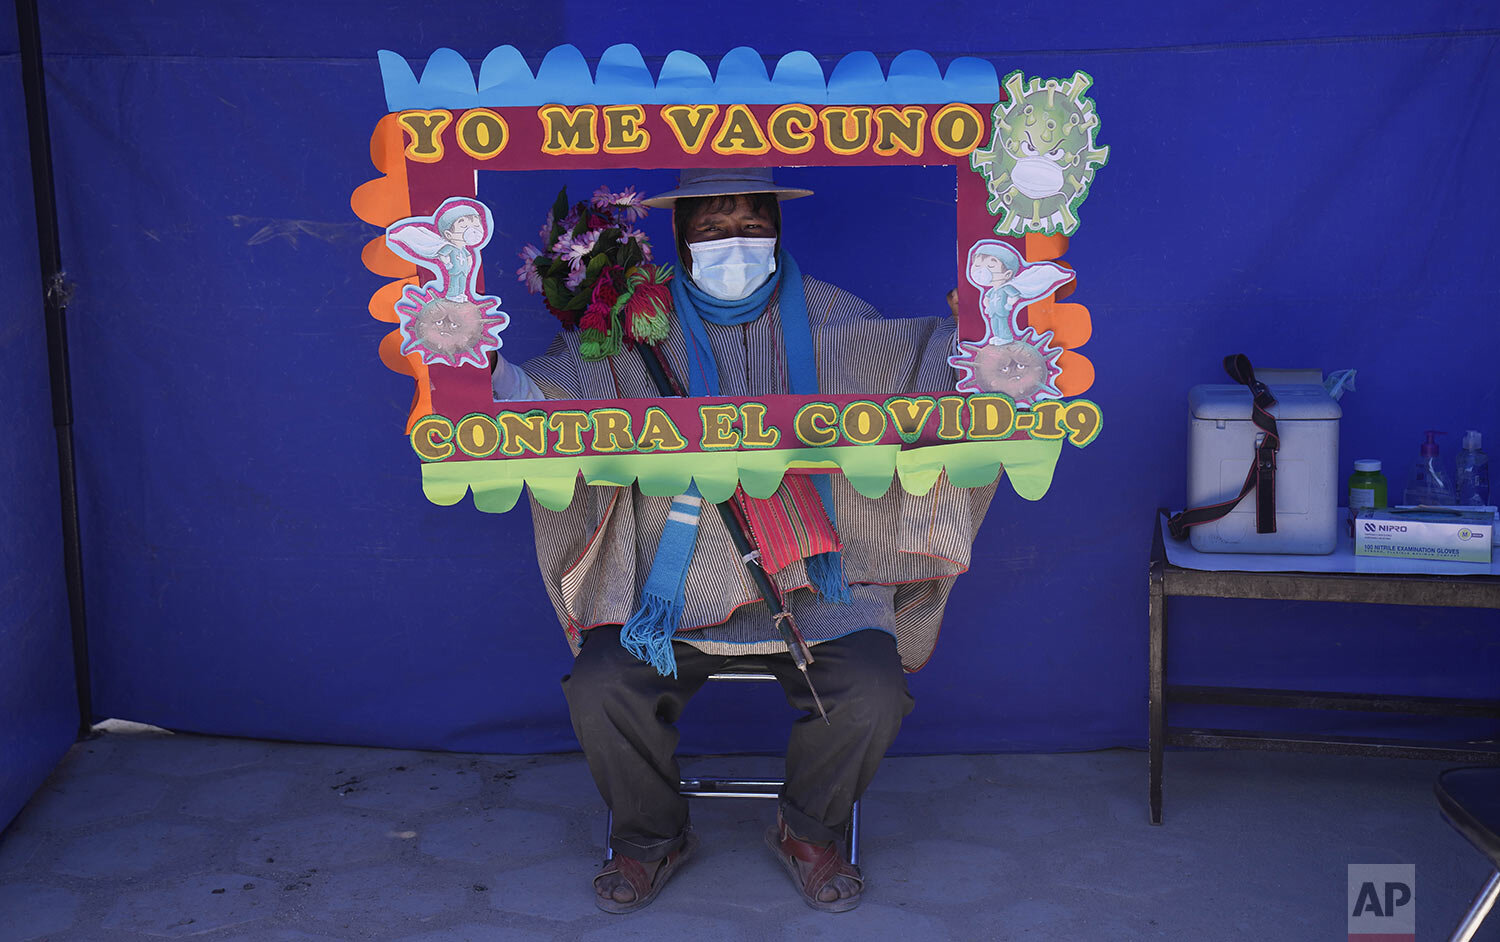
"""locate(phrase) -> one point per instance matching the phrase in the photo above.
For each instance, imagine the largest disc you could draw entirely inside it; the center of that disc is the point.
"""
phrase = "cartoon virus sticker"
(446, 320)
(1042, 156)
(1025, 369)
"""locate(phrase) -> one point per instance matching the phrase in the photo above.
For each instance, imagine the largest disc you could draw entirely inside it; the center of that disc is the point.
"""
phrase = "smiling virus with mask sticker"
(1042, 155)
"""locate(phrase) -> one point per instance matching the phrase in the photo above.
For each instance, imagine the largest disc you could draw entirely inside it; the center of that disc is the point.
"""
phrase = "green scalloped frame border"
(496, 485)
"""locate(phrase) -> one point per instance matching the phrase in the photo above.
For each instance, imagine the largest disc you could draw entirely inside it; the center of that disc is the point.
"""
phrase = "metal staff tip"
(814, 691)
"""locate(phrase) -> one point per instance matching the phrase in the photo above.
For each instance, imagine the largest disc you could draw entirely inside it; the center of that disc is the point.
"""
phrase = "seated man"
(747, 323)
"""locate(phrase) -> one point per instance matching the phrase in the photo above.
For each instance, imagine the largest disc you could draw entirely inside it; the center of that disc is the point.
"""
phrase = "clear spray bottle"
(1429, 485)
(1473, 478)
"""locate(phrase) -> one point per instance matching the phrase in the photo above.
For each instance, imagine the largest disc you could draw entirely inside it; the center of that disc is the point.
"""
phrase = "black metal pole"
(55, 310)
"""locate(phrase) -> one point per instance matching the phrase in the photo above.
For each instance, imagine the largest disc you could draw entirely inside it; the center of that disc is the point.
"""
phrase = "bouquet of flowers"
(595, 273)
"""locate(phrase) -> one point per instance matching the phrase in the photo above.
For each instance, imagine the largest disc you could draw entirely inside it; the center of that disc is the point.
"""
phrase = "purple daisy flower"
(575, 250)
(629, 205)
(640, 240)
(527, 273)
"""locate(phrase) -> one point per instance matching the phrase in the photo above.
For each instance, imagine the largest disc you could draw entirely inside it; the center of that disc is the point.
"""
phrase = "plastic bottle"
(1473, 478)
(1428, 485)
(1367, 488)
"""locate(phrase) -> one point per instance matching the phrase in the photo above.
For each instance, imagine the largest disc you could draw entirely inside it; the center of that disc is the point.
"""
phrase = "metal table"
(1167, 580)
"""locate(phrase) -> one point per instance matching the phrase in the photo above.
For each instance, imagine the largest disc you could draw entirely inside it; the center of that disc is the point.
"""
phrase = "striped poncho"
(901, 553)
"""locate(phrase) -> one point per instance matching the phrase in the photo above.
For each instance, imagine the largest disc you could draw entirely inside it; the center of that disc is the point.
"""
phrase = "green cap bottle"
(1367, 489)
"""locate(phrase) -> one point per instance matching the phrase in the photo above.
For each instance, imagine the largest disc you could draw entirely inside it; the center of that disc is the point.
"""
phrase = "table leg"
(1155, 680)
(1478, 909)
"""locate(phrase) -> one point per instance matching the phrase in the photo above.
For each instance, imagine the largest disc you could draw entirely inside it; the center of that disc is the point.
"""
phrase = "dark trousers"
(624, 714)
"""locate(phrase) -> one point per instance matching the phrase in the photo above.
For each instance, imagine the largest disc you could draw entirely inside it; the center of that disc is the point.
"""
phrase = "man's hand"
(509, 383)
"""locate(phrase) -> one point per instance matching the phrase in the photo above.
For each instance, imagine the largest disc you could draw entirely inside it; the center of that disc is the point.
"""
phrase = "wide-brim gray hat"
(724, 181)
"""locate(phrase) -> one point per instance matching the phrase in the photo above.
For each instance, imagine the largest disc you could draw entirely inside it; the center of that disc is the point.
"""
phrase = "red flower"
(569, 319)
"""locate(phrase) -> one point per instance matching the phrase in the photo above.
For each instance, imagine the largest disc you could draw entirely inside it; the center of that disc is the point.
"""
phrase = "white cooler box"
(1221, 449)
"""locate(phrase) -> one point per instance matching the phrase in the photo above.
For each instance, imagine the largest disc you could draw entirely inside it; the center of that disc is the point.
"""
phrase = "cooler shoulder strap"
(1261, 477)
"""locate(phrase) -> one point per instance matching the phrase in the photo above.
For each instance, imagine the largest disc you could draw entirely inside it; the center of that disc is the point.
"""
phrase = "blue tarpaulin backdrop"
(38, 705)
(1311, 185)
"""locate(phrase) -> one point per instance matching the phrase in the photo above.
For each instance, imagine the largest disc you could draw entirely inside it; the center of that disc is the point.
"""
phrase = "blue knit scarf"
(648, 633)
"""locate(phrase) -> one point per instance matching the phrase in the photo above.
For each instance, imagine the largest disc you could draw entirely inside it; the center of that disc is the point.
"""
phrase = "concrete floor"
(142, 834)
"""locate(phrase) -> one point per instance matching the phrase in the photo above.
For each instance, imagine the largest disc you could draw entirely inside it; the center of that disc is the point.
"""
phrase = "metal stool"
(711, 787)
(1470, 800)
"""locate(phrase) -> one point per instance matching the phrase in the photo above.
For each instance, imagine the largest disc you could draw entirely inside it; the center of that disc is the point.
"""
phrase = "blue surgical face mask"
(731, 269)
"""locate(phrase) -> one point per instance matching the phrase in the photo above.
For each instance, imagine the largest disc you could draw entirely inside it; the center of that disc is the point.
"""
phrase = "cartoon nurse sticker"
(446, 320)
(1007, 284)
(1009, 359)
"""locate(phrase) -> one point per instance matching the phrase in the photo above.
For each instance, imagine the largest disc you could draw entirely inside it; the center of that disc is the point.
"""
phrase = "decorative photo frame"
(1025, 155)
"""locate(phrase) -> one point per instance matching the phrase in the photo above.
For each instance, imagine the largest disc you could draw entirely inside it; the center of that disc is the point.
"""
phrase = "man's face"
(715, 219)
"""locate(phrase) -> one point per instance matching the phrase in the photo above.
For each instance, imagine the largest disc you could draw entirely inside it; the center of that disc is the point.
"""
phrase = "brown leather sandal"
(646, 888)
(827, 862)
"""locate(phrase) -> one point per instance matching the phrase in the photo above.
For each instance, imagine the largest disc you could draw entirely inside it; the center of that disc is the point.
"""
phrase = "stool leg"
(1156, 676)
(853, 837)
(609, 829)
(1478, 910)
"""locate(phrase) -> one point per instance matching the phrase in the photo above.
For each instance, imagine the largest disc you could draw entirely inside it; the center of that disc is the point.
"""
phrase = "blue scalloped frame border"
(621, 77)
